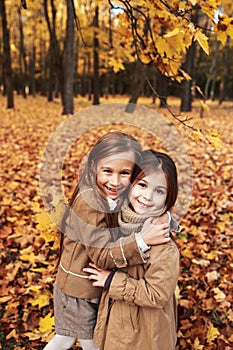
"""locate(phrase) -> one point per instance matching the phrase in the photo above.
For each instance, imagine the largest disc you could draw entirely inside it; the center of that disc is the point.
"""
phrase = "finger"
(90, 270)
(94, 266)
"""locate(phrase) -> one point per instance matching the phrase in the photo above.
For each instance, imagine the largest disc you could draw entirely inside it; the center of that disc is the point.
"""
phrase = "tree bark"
(68, 63)
(23, 62)
(137, 84)
(96, 83)
(186, 98)
(226, 72)
(7, 56)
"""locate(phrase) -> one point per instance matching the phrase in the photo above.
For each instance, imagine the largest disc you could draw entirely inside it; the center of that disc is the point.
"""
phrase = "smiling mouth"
(143, 205)
(113, 190)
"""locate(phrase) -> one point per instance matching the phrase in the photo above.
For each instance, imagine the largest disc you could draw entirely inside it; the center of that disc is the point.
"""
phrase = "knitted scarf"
(130, 222)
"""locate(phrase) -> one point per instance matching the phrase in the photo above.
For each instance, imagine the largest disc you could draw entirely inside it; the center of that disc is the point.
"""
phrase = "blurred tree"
(6, 57)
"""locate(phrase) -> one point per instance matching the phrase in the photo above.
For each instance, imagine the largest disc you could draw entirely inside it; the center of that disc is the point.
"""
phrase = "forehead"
(118, 158)
(156, 178)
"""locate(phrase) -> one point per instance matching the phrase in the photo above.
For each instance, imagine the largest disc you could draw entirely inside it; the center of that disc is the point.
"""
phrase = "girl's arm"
(87, 225)
(154, 289)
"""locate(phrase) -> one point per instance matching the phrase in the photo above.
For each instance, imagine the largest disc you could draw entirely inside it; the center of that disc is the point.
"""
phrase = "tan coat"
(142, 313)
(88, 239)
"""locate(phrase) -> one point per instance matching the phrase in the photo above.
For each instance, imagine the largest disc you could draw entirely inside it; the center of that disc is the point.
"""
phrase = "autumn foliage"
(29, 244)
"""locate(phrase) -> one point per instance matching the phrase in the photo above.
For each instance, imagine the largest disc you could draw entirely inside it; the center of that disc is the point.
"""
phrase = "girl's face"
(113, 174)
(149, 193)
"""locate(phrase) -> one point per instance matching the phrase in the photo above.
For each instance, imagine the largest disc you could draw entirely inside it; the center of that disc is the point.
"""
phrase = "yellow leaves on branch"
(223, 28)
(116, 64)
(212, 137)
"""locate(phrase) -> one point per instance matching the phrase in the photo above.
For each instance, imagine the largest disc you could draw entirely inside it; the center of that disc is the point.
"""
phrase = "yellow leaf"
(219, 295)
(230, 315)
(212, 333)
(197, 345)
(43, 220)
(33, 335)
(27, 254)
(197, 136)
(187, 253)
(116, 64)
(41, 301)
(174, 32)
(204, 106)
(202, 40)
(214, 138)
(46, 323)
(49, 236)
(185, 74)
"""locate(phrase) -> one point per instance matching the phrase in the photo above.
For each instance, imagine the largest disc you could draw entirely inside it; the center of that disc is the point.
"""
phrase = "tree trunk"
(68, 63)
(226, 73)
(7, 56)
(32, 85)
(96, 83)
(23, 62)
(186, 98)
(58, 63)
(212, 74)
(136, 86)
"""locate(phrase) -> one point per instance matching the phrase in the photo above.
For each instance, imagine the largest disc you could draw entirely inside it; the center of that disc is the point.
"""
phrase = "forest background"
(60, 57)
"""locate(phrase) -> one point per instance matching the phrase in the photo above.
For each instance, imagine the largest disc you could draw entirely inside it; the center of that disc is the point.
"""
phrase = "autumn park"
(71, 71)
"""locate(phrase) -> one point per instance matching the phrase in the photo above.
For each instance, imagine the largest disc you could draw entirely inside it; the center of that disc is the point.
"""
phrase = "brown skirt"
(74, 317)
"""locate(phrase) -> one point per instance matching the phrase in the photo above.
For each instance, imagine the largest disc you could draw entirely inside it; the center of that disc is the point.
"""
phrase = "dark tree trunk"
(136, 86)
(32, 86)
(226, 72)
(186, 97)
(96, 83)
(89, 81)
(68, 63)
(58, 63)
(7, 56)
(23, 62)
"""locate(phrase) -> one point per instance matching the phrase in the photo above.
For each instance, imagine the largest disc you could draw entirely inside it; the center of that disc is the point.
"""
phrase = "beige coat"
(88, 239)
(139, 310)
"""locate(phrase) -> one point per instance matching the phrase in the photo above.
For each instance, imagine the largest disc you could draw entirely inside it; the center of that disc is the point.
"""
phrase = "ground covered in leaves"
(28, 252)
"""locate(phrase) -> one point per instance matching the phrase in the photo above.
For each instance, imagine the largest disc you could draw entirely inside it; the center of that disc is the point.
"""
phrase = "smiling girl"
(138, 307)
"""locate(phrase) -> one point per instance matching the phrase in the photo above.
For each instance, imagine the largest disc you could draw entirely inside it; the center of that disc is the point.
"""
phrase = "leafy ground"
(28, 254)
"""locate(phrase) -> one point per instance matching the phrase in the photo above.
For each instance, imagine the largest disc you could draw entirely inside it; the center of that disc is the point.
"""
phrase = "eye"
(107, 171)
(126, 173)
(142, 184)
(160, 191)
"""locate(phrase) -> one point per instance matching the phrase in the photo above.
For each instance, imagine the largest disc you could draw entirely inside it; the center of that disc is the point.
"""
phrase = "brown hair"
(152, 161)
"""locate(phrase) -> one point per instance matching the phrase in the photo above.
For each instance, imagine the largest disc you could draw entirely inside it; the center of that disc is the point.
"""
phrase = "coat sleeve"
(86, 224)
(157, 285)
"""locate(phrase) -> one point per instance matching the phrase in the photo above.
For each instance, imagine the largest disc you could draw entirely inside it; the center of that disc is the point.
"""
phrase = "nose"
(148, 194)
(115, 180)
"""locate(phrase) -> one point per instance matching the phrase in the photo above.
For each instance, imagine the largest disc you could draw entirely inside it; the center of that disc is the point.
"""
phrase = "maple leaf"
(46, 323)
(212, 333)
(41, 301)
(197, 345)
(202, 39)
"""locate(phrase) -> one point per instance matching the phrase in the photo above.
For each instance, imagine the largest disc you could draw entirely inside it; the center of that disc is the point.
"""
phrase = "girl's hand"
(98, 275)
(154, 232)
